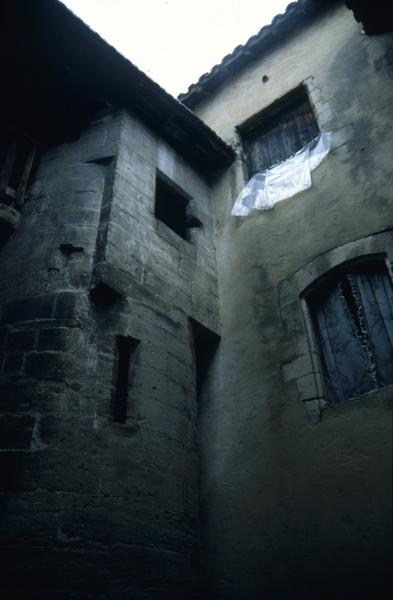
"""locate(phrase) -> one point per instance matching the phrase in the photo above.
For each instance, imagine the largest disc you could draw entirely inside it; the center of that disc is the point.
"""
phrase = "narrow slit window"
(125, 352)
(205, 344)
(17, 166)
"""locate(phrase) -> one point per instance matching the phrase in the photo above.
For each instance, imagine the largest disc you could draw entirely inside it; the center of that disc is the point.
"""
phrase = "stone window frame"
(305, 369)
(325, 116)
(189, 242)
(289, 100)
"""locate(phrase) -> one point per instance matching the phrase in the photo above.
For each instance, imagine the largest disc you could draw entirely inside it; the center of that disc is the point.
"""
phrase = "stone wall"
(91, 507)
(297, 493)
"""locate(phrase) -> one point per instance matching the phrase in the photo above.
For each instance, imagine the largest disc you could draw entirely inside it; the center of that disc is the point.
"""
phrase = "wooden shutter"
(280, 133)
(354, 320)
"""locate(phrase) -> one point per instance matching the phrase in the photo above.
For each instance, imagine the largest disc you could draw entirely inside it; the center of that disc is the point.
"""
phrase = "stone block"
(16, 431)
(59, 339)
(162, 417)
(9, 219)
(313, 411)
(13, 470)
(61, 470)
(26, 396)
(306, 387)
(342, 136)
(287, 293)
(114, 519)
(297, 368)
(136, 171)
(3, 336)
(20, 341)
(84, 180)
(29, 309)
(52, 366)
(65, 305)
(77, 433)
(13, 364)
(31, 517)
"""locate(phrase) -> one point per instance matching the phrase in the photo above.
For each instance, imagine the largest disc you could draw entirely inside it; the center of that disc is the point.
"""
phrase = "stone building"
(195, 404)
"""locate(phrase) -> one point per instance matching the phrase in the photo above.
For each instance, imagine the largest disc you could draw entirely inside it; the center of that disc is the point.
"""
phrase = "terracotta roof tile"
(295, 14)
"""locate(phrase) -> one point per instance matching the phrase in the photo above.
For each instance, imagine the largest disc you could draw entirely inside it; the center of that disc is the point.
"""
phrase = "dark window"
(172, 208)
(353, 314)
(205, 344)
(125, 354)
(279, 131)
(16, 168)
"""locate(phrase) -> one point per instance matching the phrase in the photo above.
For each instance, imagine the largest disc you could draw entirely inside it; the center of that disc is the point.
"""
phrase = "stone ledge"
(9, 218)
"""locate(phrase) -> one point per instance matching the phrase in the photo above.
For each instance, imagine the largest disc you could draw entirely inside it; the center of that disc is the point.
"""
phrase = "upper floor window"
(353, 314)
(172, 207)
(279, 131)
(16, 164)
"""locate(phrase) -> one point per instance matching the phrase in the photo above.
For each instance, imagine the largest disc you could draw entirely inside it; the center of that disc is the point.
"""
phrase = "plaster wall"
(297, 495)
(92, 508)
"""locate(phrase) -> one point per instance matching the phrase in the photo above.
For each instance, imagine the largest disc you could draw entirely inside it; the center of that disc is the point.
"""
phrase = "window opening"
(205, 344)
(172, 208)
(279, 131)
(353, 315)
(17, 167)
(125, 351)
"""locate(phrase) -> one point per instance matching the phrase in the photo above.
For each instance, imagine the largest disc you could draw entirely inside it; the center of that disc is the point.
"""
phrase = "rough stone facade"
(83, 488)
(241, 480)
(297, 493)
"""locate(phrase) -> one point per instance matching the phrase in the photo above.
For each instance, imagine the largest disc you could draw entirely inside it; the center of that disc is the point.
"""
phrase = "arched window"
(352, 309)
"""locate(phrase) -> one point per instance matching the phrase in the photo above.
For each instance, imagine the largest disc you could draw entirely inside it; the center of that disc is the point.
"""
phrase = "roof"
(376, 17)
(297, 13)
(57, 73)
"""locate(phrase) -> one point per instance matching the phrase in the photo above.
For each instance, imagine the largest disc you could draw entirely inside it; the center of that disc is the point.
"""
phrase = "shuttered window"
(17, 156)
(279, 132)
(353, 314)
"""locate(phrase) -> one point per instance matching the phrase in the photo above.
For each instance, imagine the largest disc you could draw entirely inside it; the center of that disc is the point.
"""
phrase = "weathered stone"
(214, 466)
(16, 431)
(52, 366)
(29, 309)
(13, 364)
(20, 341)
(58, 339)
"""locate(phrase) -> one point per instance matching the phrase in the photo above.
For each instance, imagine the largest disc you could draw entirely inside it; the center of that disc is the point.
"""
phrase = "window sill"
(175, 240)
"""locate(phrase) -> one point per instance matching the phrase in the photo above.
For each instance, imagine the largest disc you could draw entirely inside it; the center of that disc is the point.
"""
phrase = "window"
(16, 168)
(279, 131)
(172, 208)
(205, 344)
(125, 354)
(352, 311)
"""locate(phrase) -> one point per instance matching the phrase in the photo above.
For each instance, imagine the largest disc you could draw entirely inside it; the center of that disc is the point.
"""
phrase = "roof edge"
(296, 13)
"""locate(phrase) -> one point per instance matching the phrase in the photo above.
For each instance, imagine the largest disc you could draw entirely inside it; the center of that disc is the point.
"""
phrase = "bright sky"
(175, 41)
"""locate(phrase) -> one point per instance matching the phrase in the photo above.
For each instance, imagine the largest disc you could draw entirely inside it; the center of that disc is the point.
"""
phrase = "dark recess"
(205, 345)
(125, 349)
(170, 207)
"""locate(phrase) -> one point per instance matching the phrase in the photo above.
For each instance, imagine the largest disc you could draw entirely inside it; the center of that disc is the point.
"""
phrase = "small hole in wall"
(265, 78)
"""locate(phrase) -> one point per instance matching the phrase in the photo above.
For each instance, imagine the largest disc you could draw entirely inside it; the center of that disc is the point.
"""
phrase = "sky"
(175, 41)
